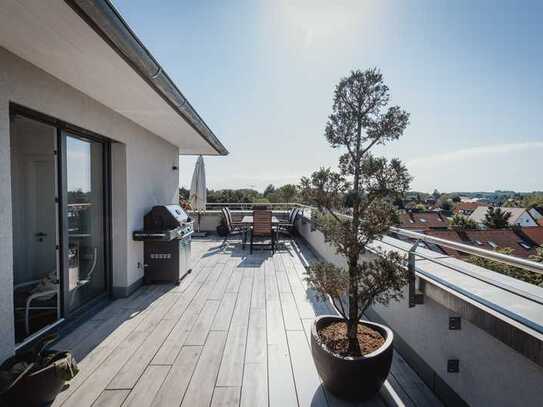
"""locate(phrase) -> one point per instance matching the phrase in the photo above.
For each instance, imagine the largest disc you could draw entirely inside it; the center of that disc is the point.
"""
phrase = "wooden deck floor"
(234, 333)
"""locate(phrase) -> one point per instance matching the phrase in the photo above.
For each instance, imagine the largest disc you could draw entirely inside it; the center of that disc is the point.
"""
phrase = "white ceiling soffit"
(87, 45)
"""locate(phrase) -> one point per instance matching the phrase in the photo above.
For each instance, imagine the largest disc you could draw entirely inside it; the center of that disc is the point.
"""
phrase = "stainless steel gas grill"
(166, 237)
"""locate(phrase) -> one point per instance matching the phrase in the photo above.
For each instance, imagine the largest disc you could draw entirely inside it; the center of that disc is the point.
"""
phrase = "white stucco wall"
(491, 373)
(148, 175)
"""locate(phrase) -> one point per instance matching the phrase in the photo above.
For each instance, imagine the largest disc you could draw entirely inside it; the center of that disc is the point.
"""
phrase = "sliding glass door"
(36, 288)
(60, 225)
(84, 226)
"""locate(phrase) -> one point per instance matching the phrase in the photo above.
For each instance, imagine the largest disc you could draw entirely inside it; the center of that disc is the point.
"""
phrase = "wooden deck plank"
(198, 334)
(394, 395)
(129, 374)
(174, 342)
(93, 386)
(202, 384)
(176, 382)
(300, 290)
(226, 397)
(282, 391)
(411, 383)
(253, 350)
(290, 313)
(282, 282)
(270, 281)
(256, 350)
(258, 299)
(231, 369)
(111, 398)
(225, 312)
(254, 391)
(131, 332)
(308, 384)
(235, 280)
(220, 286)
(143, 394)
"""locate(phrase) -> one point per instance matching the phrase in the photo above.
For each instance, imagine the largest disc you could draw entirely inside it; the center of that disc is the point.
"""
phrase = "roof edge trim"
(106, 21)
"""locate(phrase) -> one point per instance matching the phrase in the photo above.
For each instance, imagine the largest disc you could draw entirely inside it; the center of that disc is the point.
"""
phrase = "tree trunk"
(352, 325)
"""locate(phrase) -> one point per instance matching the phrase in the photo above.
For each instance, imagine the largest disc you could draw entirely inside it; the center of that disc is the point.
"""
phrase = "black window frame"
(66, 127)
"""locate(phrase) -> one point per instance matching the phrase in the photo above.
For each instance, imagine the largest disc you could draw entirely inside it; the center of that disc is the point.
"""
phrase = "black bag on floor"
(34, 378)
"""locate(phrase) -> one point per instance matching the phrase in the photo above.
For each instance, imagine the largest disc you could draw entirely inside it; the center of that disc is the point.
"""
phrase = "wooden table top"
(249, 220)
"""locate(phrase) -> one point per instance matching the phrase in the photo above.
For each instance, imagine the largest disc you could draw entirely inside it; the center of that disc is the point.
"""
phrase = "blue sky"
(262, 73)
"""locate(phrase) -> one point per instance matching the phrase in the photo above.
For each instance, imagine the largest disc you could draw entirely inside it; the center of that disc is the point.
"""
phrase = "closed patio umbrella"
(198, 192)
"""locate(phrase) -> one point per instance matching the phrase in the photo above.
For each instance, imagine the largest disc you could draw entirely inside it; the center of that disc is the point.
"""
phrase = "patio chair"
(262, 227)
(290, 225)
(233, 227)
(36, 295)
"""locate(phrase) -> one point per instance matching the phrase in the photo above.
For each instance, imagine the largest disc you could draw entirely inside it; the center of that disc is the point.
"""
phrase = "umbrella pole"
(198, 233)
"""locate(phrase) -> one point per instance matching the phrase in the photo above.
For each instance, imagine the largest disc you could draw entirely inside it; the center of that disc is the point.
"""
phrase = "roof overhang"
(89, 46)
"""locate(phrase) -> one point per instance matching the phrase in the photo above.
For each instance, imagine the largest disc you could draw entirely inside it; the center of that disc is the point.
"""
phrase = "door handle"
(41, 234)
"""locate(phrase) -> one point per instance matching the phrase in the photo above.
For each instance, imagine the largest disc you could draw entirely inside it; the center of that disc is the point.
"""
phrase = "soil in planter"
(334, 337)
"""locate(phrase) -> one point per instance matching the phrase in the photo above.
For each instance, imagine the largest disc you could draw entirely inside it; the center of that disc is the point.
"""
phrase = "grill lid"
(165, 217)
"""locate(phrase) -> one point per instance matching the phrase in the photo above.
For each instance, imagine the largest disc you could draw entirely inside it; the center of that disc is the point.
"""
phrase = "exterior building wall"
(142, 174)
(491, 373)
(525, 220)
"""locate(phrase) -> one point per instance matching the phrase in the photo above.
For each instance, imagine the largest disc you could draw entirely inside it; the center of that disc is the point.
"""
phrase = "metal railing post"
(411, 274)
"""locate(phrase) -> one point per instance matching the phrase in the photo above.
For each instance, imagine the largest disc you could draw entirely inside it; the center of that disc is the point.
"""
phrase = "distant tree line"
(271, 194)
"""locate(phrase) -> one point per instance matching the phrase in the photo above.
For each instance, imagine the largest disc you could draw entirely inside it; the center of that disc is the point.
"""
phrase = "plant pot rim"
(388, 339)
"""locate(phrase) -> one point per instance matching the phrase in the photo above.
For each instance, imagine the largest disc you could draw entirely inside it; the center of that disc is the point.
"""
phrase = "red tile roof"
(486, 239)
(535, 234)
(466, 206)
(422, 220)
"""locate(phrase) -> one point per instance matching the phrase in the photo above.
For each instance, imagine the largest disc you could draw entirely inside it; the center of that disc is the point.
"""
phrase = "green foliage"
(532, 200)
(538, 256)
(495, 218)
(511, 271)
(456, 199)
(286, 193)
(359, 121)
(270, 189)
(420, 208)
(459, 222)
(184, 193)
(445, 204)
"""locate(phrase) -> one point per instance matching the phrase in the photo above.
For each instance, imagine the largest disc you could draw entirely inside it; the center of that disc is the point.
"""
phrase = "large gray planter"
(351, 378)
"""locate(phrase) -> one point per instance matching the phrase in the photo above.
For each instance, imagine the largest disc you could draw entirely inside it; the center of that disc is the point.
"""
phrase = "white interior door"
(41, 222)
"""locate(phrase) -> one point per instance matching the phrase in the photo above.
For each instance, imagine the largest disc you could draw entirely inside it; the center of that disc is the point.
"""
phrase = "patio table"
(247, 221)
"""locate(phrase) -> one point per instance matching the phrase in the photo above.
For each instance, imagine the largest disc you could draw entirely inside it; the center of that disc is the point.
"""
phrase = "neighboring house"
(91, 129)
(490, 239)
(534, 234)
(466, 208)
(519, 216)
(420, 221)
(536, 213)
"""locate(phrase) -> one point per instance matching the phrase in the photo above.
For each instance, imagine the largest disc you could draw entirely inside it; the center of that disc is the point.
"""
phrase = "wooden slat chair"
(262, 227)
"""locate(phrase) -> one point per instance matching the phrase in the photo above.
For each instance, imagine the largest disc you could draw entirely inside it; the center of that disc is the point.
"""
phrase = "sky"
(262, 74)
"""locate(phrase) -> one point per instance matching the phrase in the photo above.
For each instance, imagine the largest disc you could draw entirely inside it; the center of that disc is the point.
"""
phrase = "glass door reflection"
(84, 218)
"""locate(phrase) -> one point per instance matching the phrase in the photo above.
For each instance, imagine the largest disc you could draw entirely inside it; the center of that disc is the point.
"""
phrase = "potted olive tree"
(353, 356)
